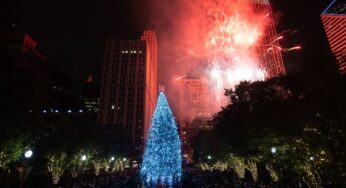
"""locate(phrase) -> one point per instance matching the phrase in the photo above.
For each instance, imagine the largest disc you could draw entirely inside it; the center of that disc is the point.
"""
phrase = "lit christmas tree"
(162, 163)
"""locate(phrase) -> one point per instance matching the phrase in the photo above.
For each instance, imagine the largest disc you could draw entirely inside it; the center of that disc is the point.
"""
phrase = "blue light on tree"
(162, 163)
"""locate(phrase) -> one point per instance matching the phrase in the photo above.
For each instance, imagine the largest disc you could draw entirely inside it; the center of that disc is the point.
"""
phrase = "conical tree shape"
(162, 163)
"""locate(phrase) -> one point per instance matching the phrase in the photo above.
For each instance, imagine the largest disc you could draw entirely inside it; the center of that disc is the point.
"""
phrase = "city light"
(112, 158)
(28, 153)
(83, 158)
(273, 150)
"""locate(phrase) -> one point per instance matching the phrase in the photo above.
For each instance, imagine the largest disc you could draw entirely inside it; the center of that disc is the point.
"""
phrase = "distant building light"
(113, 107)
(122, 51)
(140, 52)
(311, 158)
(56, 111)
(69, 111)
(112, 158)
(126, 51)
(134, 52)
(80, 110)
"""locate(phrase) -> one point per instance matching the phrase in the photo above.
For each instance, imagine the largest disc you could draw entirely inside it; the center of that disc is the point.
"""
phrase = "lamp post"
(273, 150)
(28, 154)
(83, 158)
(24, 170)
(315, 171)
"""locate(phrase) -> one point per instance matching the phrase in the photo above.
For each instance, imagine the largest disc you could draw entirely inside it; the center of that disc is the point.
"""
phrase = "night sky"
(72, 33)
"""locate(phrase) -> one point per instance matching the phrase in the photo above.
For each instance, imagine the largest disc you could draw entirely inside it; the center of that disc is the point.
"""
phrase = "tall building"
(129, 86)
(90, 95)
(193, 98)
(272, 62)
(334, 23)
(193, 104)
(150, 37)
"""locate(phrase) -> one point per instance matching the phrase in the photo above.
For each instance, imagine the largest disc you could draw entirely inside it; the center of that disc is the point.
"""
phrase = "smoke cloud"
(212, 38)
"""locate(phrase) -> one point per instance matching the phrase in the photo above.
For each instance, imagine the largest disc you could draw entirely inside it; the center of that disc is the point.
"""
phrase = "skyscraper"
(193, 104)
(150, 37)
(271, 61)
(334, 23)
(193, 98)
(129, 84)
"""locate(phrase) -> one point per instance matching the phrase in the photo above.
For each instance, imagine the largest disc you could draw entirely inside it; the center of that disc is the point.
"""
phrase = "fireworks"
(233, 32)
(227, 41)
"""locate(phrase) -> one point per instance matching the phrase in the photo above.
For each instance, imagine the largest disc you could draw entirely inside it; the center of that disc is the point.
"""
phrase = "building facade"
(271, 61)
(150, 37)
(193, 104)
(334, 23)
(128, 84)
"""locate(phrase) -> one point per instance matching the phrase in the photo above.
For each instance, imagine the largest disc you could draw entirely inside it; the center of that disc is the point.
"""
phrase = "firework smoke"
(212, 38)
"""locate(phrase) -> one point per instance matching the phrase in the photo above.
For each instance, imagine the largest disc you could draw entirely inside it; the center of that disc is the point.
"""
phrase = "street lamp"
(24, 169)
(112, 158)
(311, 158)
(273, 150)
(83, 158)
(209, 157)
(28, 154)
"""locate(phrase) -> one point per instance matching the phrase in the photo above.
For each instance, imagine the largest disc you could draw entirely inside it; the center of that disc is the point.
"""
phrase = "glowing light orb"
(28, 154)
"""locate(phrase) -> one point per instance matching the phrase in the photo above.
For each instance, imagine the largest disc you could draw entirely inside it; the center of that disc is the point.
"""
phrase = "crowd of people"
(129, 178)
(225, 179)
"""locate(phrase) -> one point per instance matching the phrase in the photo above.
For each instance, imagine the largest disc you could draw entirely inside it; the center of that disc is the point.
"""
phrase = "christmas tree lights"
(162, 162)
